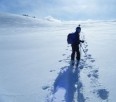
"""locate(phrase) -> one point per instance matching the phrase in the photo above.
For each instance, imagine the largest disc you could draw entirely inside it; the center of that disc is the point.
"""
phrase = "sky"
(62, 9)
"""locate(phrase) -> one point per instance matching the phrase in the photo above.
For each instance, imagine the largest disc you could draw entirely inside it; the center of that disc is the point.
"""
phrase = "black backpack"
(71, 38)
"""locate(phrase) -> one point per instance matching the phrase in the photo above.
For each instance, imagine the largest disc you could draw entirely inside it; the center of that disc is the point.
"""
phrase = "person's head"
(78, 29)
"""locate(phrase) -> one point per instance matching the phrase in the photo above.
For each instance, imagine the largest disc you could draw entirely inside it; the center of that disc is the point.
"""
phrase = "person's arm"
(82, 41)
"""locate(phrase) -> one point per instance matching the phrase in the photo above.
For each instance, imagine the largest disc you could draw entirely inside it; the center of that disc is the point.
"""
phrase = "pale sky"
(62, 9)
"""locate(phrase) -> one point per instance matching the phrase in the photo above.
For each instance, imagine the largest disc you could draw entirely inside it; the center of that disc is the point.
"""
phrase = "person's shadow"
(67, 80)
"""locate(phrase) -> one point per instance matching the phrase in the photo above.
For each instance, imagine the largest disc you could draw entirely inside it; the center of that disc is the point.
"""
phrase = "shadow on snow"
(68, 80)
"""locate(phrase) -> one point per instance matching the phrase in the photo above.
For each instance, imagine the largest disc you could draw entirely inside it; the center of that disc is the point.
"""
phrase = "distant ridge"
(13, 20)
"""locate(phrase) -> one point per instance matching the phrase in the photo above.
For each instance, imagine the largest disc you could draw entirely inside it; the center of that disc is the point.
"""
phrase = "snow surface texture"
(34, 61)
(70, 85)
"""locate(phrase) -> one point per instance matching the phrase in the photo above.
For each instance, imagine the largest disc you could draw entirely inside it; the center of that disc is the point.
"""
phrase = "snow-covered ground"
(34, 61)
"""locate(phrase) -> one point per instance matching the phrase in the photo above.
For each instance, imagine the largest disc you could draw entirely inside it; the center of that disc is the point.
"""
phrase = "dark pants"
(75, 50)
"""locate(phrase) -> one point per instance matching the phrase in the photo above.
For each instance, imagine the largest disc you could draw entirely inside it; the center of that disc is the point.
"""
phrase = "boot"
(77, 62)
(72, 62)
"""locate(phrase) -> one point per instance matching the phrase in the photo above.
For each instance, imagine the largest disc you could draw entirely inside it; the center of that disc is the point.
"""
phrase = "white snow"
(34, 53)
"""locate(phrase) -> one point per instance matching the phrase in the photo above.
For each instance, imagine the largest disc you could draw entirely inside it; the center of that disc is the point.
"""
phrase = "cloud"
(62, 9)
(51, 19)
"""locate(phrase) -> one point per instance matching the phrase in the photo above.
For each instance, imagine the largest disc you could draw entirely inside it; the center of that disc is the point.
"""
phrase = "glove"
(82, 41)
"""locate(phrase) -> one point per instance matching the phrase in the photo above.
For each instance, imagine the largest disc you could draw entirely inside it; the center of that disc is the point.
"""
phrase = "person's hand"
(82, 41)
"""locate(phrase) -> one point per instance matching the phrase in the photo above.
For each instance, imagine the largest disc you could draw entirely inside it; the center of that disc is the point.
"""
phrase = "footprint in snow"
(60, 61)
(63, 54)
(103, 94)
(45, 87)
(52, 70)
(92, 60)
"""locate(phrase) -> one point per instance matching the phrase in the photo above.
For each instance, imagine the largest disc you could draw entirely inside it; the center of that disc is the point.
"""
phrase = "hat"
(78, 29)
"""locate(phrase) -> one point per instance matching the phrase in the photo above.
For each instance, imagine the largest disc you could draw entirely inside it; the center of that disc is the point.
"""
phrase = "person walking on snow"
(75, 45)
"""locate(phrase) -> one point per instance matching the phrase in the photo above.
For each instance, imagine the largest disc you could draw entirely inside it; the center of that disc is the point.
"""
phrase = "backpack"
(71, 38)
